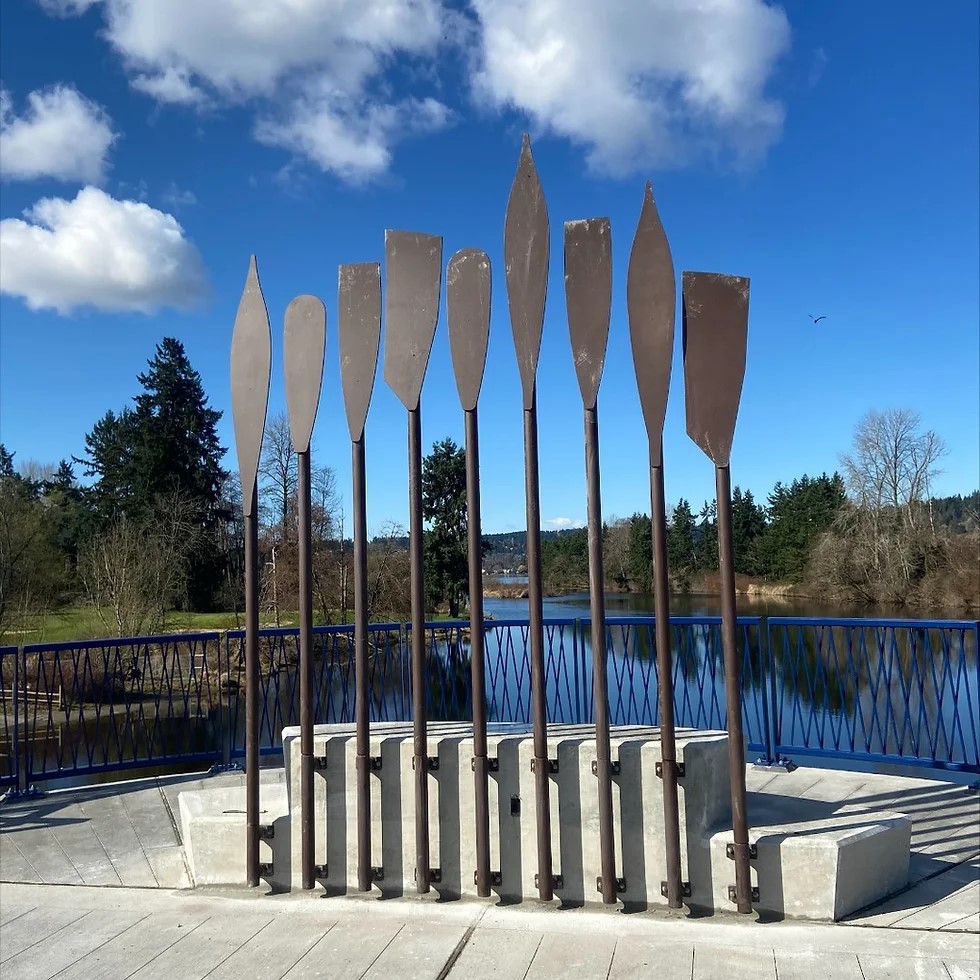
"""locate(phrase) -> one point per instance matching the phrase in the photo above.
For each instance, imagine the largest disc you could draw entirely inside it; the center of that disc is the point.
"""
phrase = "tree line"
(147, 521)
(872, 533)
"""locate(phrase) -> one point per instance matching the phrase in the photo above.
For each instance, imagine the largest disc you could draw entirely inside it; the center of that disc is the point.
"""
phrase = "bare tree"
(135, 571)
(884, 542)
(389, 584)
(277, 473)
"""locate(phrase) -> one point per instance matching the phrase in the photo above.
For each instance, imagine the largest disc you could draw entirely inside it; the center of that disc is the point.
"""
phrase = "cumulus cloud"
(562, 523)
(61, 135)
(96, 251)
(314, 68)
(636, 84)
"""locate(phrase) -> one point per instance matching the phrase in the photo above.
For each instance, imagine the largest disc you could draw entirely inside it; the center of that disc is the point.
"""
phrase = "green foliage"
(641, 552)
(748, 526)
(444, 510)
(798, 514)
(682, 541)
(565, 560)
(166, 444)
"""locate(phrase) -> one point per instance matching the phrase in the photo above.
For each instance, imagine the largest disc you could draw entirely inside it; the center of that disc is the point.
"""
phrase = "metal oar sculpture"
(359, 328)
(304, 345)
(413, 277)
(468, 310)
(251, 367)
(716, 311)
(526, 245)
(651, 300)
(588, 296)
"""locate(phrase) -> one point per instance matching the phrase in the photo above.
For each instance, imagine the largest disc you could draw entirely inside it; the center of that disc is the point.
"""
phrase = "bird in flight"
(817, 319)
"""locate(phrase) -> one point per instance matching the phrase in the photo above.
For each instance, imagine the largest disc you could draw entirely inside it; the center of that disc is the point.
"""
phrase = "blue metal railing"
(862, 689)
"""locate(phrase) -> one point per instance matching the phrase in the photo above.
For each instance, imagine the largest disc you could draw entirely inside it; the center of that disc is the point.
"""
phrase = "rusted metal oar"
(527, 240)
(251, 367)
(468, 310)
(359, 330)
(588, 297)
(651, 301)
(304, 345)
(716, 321)
(413, 277)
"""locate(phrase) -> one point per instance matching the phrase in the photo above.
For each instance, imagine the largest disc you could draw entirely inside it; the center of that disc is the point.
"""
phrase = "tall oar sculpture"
(651, 300)
(304, 345)
(413, 277)
(468, 309)
(588, 297)
(251, 367)
(716, 314)
(359, 319)
(526, 244)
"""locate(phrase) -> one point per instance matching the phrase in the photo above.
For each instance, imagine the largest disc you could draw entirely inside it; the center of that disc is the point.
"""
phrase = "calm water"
(911, 693)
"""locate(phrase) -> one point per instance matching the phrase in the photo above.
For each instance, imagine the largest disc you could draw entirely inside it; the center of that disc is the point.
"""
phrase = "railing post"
(769, 749)
(224, 705)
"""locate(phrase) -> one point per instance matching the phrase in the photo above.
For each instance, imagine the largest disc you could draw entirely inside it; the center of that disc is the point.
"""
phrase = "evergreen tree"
(706, 548)
(444, 509)
(641, 552)
(681, 537)
(748, 525)
(166, 445)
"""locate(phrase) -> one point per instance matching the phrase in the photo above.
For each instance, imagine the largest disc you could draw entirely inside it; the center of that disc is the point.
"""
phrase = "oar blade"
(527, 241)
(413, 278)
(716, 324)
(359, 338)
(251, 371)
(651, 302)
(588, 297)
(468, 311)
(304, 347)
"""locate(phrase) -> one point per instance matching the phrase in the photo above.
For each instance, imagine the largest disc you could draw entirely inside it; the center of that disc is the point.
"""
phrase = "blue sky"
(827, 151)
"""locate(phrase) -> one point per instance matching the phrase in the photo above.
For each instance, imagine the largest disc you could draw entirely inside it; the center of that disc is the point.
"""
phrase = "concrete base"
(815, 862)
(212, 824)
(637, 804)
(816, 859)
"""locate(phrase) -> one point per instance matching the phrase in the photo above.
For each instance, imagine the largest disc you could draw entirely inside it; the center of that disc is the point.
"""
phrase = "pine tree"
(165, 446)
(444, 509)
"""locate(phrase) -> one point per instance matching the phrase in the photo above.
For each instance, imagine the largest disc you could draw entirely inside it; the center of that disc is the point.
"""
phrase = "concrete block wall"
(637, 802)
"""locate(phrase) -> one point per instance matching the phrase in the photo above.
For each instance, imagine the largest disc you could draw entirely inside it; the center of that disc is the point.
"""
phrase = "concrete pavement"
(51, 931)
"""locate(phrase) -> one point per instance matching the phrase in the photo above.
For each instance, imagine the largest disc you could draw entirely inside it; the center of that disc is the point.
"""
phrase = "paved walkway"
(127, 834)
(115, 933)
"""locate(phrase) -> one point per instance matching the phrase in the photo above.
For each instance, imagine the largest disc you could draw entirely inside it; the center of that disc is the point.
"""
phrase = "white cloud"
(67, 8)
(354, 145)
(96, 251)
(314, 68)
(61, 135)
(176, 198)
(637, 84)
(562, 523)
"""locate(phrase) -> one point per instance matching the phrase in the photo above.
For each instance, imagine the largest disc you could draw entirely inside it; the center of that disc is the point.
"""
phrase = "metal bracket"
(557, 882)
(374, 763)
(552, 765)
(21, 794)
(620, 884)
(679, 766)
(685, 889)
(730, 851)
(493, 764)
(267, 831)
(319, 871)
(265, 869)
(220, 767)
(614, 767)
(431, 763)
(377, 874)
(496, 879)
(319, 762)
(733, 895)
